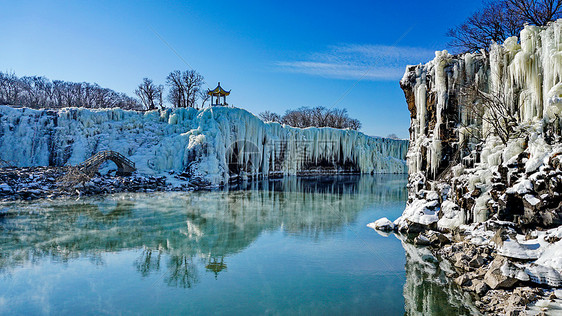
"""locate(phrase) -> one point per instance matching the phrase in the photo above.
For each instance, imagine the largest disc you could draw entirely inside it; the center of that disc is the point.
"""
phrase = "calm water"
(292, 246)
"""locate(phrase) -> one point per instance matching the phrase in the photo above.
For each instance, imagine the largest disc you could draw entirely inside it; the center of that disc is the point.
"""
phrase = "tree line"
(313, 117)
(184, 89)
(38, 92)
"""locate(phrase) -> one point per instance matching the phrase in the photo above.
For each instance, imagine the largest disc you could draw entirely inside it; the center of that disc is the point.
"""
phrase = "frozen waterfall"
(213, 143)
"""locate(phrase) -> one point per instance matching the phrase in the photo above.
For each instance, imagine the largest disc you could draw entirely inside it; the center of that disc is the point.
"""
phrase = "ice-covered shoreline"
(490, 203)
(211, 144)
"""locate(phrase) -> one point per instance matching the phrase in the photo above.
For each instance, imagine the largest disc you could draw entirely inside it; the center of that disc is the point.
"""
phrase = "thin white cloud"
(370, 62)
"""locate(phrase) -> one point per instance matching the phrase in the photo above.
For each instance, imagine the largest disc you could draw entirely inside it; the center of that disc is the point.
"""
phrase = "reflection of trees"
(428, 291)
(172, 230)
(148, 260)
(182, 271)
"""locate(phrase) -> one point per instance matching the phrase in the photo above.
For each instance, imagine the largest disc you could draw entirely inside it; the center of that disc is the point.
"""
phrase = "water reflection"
(428, 291)
(175, 241)
(176, 234)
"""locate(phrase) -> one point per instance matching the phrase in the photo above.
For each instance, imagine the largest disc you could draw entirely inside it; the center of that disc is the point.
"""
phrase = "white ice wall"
(526, 70)
(187, 139)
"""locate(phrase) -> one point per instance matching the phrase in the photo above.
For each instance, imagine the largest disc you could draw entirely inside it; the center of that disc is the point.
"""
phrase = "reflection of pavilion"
(215, 266)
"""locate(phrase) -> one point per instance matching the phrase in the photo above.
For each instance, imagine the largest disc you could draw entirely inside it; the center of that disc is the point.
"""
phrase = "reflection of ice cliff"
(181, 228)
(428, 291)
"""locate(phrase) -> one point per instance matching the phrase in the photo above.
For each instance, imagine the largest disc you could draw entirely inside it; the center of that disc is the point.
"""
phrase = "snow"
(531, 199)
(419, 211)
(202, 142)
(4, 187)
(511, 270)
(543, 275)
(452, 216)
(521, 187)
(480, 209)
(382, 224)
(513, 249)
(545, 266)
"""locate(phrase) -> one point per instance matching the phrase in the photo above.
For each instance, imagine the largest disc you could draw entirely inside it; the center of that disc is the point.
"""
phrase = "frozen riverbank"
(213, 144)
(485, 194)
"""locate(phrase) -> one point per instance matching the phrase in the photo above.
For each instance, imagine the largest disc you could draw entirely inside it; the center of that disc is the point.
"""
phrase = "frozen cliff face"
(485, 130)
(526, 72)
(214, 143)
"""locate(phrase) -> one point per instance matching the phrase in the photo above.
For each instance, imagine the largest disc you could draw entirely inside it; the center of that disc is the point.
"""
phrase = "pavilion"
(217, 93)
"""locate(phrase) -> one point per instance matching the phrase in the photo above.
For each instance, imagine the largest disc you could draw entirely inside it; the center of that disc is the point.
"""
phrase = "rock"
(513, 206)
(499, 237)
(531, 235)
(476, 262)
(383, 224)
(495, 279)
(481, 272)
(438, 239)
(479, 287)
(463, 280)
(461, 260)
(513, 312)
(409, 227)
(531, 202)
(421, 240)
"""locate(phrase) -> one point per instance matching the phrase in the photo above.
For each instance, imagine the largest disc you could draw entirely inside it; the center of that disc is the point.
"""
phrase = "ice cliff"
(512, 142)
(213, 143)
(486, 148)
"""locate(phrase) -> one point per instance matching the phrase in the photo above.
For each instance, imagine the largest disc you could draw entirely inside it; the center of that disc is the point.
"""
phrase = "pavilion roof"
(218, 91)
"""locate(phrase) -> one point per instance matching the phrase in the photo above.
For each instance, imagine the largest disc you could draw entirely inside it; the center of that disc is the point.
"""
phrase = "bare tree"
(205, 97)
(149, 94)
(40, 92)
(192, 82)
(497, 21)
(314, 117)
(10, 88)
(490, 114)
(500, 19)
(185, 88)
(268, 116)
(176, 94)
(538, 12)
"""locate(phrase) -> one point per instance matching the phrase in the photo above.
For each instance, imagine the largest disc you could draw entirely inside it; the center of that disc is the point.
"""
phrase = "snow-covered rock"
(452, 216)
(383, 224)
(419, 211)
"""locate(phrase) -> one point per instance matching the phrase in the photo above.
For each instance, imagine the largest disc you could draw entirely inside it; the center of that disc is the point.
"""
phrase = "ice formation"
(527, 73)
(213, 143)
(466, 168)
(446, 136)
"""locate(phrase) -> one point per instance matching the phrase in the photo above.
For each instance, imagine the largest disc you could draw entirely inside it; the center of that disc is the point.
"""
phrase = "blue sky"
(274, 55)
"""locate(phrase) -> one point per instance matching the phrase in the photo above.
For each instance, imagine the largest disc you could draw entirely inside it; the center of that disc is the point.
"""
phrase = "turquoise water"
(291, 246)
